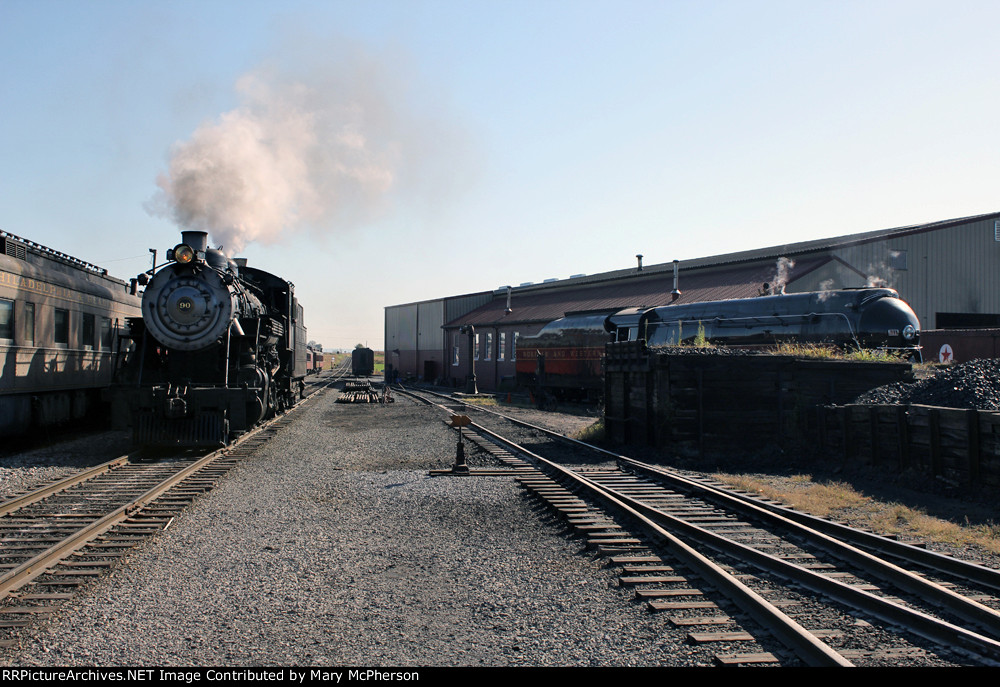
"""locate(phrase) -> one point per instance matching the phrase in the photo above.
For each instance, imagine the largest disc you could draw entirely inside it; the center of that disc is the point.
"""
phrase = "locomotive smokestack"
(676, 293)
(196, 239)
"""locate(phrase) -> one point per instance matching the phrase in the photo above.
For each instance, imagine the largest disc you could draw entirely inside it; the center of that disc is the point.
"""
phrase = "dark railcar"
(362, 362)
(564, 358)
(61, 321)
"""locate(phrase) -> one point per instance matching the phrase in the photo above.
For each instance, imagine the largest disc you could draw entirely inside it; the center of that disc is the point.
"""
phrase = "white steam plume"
(327, 149)
(782, 270)
(875, 280)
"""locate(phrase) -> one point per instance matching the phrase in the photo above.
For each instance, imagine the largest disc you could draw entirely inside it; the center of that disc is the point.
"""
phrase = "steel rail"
(922, 624)
(18, 502)
(17, 577)
(931, 559)
(41, 563)
(927, 626)
(979, 614)
(803, 643)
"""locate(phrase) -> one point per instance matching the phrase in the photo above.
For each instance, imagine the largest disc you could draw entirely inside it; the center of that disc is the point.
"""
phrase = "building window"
(489, 345)
(457, 347)
(29, 324)
(475, 352)
(87, 330)
(105, 332)
(513, 347)
(61, 327)
(6, 319)
(502, 347)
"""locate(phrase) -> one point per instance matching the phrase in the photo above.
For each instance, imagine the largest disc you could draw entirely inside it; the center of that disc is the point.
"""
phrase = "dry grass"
(840, 501)
(486, 401)
(593, 432)
(798, 350)
(830, 352)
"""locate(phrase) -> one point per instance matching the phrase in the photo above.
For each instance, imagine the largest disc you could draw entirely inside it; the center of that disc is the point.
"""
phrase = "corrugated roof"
(731, 275)
(644, 289)
(771, 252)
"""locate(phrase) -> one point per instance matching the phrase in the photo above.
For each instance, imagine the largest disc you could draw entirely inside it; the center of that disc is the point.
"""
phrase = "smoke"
(874, 278)
(783, 268)
(326, 147)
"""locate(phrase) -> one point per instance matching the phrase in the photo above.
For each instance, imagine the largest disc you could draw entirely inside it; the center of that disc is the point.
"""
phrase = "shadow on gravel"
(67, 450)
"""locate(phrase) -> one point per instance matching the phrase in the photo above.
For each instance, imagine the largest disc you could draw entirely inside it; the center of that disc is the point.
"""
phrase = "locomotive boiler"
(220, 347)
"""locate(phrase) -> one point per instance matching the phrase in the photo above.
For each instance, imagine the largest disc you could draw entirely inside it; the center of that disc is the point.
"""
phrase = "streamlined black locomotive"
(220, 347)
(564, 358)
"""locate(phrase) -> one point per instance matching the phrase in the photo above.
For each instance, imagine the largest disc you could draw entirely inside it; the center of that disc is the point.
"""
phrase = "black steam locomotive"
(219, 348)
(565, 357)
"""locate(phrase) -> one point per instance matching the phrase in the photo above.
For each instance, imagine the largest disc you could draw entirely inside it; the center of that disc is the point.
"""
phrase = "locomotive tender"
(220, 347)
(60, 321)
(362, 362)
(564, 358)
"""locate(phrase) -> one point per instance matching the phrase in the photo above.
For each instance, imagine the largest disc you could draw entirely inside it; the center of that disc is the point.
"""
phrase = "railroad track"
(764, 583)
(57, 538)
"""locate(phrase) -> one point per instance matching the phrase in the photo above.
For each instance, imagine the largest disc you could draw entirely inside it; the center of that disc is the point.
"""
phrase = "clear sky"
(381, 152)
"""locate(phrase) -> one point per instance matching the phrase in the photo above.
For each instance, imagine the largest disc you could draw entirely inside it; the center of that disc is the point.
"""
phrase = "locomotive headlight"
(184, 253)
(909, 332)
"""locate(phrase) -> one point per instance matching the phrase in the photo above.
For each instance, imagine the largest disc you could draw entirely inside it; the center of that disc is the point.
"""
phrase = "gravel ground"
(21, 472)
(333, 546)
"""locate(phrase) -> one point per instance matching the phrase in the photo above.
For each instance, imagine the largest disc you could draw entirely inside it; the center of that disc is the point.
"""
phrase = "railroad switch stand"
(460, 467)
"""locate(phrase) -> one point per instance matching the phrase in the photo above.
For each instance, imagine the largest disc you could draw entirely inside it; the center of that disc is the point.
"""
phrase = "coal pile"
(975, 384)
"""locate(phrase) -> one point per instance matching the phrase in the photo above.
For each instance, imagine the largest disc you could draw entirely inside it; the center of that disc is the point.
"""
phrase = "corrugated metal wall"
(414, 330)
(956, 269)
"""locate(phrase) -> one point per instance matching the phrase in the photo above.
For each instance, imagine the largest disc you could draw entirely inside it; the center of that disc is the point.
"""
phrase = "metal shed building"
(949, 272)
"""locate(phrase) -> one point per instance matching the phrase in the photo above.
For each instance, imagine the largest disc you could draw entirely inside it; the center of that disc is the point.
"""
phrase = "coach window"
(29, 324)
(6, 319)
(60, 326)
(105, 332)
(87, 330)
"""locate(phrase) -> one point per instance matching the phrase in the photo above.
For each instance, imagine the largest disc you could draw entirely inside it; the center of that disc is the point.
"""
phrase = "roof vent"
(15, 249)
